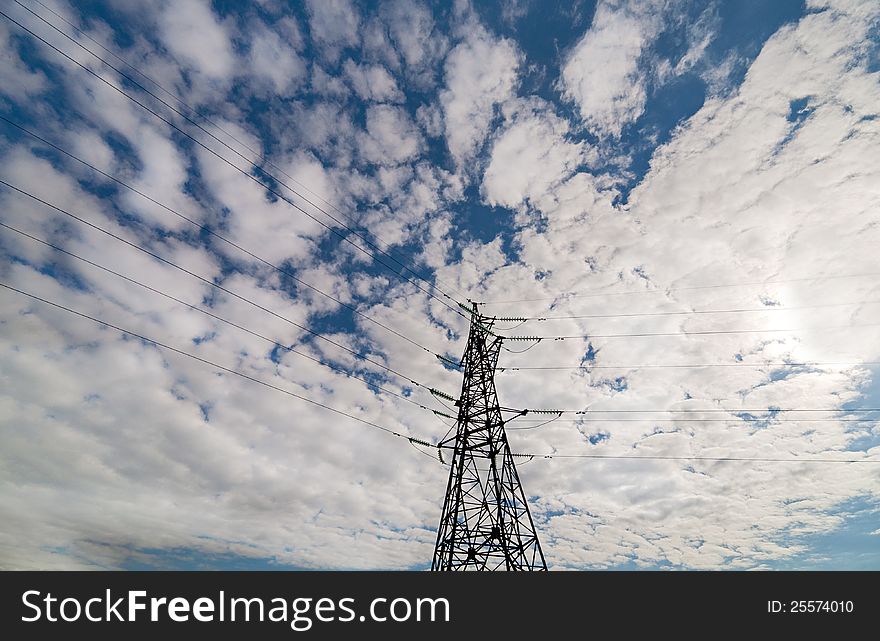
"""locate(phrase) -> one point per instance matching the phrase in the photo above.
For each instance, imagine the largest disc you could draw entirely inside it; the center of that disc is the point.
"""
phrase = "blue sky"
(600, 159)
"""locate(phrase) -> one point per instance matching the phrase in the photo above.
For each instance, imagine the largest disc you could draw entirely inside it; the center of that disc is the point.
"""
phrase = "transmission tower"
(486, 524)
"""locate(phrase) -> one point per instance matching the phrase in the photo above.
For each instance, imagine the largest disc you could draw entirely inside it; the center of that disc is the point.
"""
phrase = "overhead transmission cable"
(768, 308)
(690, 410)
(689, 365)
(339, 222)
(235, 151)
(268, 188)
(192, 109)
(206, 312)
(358, 355)
(538, 339)
(567, 295)
(394, 432)
(659, 457)
(211, 283)
(205, 361)
(293, 204)
(221, 237)
(742, 422)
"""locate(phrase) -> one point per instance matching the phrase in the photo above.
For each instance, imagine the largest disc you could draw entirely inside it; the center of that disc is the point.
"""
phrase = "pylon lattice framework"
(486, 523)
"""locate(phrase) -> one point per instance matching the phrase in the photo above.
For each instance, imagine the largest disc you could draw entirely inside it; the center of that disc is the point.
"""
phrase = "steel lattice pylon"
(486, 524)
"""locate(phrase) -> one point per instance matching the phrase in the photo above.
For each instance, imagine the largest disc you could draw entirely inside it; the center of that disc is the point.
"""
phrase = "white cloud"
(530, 156)
(194, 35)
(273, 57)
(412, 29)
(430, 118)
(326, 127)
(333, 25)
(480, 73)
(372, 82)
(610, 72)
(163, 171)
(327, 85)
(279, 231)
(391, 136)
(602, 73)
(90, 146)
(17, 82)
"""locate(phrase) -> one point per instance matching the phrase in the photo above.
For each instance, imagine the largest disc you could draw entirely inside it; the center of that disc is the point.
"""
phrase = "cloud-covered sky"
(626, 163)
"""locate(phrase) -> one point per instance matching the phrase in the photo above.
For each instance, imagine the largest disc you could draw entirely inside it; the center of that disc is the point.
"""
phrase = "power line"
(731, 410)
(268, 188)
(694, 458)
(140, 73)
(192, 109)
(287, 348)
(539, 339)
(691, 366)
(235, 151)
(519, 414)
(678, 289)
(203, 360)
(215, 285)
(365, 240)
(523, 414)
(726, 421)
(214, 124)
(769, 308)
(213, 233)
(558, 412)
(544, 421)
(520, 351)
(411, 439)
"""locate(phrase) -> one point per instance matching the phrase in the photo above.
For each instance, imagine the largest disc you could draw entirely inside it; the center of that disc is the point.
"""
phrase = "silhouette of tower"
(486, 524)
